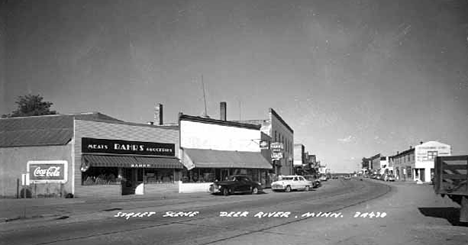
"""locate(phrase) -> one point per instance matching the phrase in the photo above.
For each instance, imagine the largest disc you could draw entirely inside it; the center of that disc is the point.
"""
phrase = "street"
(342, 211)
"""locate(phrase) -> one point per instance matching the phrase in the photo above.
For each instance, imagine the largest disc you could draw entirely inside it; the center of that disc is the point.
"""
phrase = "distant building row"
(413, 164)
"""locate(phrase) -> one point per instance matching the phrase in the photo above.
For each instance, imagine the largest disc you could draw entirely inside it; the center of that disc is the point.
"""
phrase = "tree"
(31, 105)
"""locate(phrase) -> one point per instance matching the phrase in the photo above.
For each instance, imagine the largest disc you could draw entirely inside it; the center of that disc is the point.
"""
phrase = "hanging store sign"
(277, 147)
(90, 145)
(264, 145)
(47, 171)
(276, 155)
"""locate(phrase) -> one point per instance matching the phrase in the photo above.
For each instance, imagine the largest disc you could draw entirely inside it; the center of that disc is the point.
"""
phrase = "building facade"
(121, 158)
(425, 154)
(279, 132)
(213, 149)
(417, 163)
(404, 164)
(87, 154)
(299, 156)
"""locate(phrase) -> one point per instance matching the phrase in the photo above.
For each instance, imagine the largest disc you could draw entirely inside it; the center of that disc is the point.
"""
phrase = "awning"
(224, 159)
(130, 162)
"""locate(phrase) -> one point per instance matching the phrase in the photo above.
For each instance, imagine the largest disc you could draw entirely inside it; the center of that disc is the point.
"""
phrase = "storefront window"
(155, 176)
(203, 175)
(100, 176)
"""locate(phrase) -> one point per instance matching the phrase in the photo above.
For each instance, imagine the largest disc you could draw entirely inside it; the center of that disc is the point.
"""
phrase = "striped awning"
(130, 161)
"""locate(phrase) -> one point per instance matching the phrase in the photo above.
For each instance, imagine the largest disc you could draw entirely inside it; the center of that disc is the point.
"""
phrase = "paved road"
(206, 226)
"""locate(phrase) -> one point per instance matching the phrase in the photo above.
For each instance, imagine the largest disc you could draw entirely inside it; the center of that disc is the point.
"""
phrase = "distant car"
(323, 178)
(389, 177)
(236, 184)
(315, 181)
(288, 183)
(347, 177)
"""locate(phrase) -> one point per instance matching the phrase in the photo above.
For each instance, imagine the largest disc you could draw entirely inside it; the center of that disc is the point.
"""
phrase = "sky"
(353, 78)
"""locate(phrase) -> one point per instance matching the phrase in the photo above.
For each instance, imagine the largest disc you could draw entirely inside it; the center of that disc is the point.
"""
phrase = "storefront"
(215, 165)
(117, 158)
(213, 149)
(128, 164)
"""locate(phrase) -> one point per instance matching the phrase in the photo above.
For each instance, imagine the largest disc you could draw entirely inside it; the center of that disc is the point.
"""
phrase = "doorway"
(131, 179)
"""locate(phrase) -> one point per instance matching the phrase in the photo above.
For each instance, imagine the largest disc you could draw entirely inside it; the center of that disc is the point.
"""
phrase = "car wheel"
(226, 191)
(307, 188)
(288, 188)
(255, 190)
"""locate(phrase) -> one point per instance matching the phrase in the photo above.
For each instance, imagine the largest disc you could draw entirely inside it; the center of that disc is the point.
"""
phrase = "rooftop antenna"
(205, 114)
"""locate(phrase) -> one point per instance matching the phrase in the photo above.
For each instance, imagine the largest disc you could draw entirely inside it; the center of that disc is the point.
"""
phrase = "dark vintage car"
(236, 184)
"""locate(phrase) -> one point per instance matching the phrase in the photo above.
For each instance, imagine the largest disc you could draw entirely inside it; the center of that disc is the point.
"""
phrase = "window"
(431, 154)
(100, 176)
(153, 176)
(275, 136)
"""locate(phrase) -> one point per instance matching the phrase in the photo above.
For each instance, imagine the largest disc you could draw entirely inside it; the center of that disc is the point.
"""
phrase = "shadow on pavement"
(451, 214)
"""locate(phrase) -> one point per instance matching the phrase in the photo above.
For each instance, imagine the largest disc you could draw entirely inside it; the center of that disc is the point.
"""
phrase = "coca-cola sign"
(47, 171)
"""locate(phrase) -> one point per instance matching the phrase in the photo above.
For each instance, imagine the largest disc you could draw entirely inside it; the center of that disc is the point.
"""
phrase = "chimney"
(223, 108)
(158, 114)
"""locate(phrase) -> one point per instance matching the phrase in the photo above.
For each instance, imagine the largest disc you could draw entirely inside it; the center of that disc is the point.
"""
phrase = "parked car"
(347, 177)
(236, 184)
(288, 183)
(389, 177)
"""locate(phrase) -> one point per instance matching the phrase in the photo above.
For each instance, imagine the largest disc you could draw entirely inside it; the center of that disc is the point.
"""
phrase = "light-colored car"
(288, 183)
(323, 178)
(389, 177)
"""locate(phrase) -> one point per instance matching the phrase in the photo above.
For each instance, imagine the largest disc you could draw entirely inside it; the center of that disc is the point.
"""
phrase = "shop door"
(422, 175)
(129, 181)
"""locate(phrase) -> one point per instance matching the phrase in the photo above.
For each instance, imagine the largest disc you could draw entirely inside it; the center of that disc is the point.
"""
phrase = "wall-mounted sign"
(276, 155)
(90, 145)
(264, 145)
(47, 171)
(277, 146)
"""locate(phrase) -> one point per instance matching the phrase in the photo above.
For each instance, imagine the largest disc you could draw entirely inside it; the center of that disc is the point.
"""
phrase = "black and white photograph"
(210, 122)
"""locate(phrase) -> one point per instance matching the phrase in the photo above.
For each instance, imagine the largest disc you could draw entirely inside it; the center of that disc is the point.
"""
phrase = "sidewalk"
(14, 210)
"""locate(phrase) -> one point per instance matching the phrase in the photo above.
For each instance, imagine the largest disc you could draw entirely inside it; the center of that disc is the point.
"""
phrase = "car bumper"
(278, 187)
(214, 190)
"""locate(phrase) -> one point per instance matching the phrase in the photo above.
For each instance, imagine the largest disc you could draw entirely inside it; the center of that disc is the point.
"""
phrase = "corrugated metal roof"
(41, 130)
(227, 159)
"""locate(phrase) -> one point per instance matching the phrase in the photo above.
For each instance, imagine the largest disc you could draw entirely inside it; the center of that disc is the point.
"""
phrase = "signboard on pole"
(47, 171)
